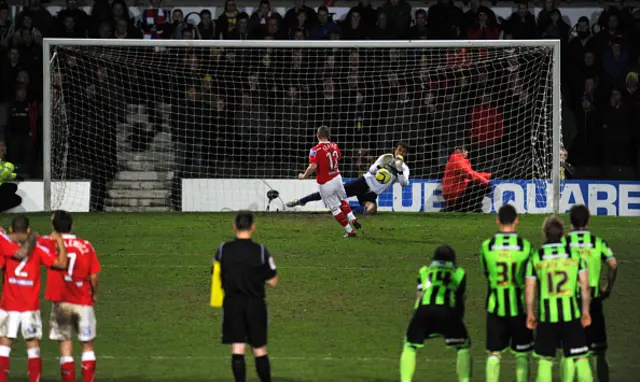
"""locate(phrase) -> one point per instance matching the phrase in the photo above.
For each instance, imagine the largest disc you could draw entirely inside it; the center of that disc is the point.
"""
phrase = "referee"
(245, 267)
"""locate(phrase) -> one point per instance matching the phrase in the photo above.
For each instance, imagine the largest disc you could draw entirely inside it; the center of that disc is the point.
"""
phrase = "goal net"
(161, 125)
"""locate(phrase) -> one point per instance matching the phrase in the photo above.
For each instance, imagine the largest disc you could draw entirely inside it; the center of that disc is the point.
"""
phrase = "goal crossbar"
(554, 45)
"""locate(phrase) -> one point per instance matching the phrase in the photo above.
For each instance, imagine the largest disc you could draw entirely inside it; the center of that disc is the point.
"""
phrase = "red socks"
(341, 218)
(34, 364)
(4, 368)
(67, 369)
(89, 366)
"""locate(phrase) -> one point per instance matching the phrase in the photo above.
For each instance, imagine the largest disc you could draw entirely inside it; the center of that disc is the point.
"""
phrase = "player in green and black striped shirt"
(594, 251)
(557, 269)
(504, 260)
(439, 311)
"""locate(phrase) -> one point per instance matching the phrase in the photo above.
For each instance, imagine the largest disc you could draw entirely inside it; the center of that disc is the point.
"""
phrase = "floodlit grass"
(339, 313)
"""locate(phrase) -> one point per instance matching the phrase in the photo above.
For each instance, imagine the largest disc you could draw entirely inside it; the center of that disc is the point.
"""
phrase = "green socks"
(463, 365)
(545, 371)
(407, 364)
(522, 367)
(493, 368)
(584, 370)
(567, 369)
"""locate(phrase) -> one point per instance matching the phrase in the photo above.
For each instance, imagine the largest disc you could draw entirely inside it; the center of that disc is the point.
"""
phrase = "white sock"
(351, 216)
(33, 353)
(64, 360)
(5, 351)
(88, 356)
(348, 228)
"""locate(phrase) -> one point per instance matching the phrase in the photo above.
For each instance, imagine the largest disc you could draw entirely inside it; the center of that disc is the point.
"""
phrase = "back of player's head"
(579, 216)
(324, 132)
(507, 214)
(553, 228)
(244, 220)
(62, 221)
(20, 224)
(444, 253)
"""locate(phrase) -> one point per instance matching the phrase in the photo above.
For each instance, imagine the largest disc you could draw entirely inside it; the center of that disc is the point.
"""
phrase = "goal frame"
(48, 43)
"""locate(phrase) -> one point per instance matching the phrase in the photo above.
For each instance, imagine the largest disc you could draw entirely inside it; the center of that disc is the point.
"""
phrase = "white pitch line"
(207, 266)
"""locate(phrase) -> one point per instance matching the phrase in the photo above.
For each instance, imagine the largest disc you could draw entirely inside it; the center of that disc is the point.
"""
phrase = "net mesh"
(136, 121)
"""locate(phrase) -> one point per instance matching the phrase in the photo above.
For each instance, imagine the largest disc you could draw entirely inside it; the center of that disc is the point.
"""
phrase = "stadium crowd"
(370, 97)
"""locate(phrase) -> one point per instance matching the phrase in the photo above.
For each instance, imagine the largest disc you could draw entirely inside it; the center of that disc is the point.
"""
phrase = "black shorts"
(360, 189)
(596, 333)
(566, 335)
(504, 332)
(244, 321)
(437, 321)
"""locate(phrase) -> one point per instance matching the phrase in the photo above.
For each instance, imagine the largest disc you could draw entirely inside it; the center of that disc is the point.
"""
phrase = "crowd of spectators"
(269, 99)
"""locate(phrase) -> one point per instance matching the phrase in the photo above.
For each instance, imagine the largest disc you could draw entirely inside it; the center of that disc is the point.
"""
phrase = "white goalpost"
(160, 125)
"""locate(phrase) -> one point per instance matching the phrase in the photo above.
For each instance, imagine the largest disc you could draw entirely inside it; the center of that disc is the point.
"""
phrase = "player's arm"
(585, 293)
(94, 280)
(612, 265)
(269, 269)
(313, 165)
(378, 164)
(27, 247)
(461, 292)
(403, 175)
(530, 294)
(62, 261)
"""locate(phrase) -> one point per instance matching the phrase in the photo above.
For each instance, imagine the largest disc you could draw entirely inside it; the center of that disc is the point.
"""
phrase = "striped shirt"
(594, 251)
(441, 283)
(504, 259)
(557, 270)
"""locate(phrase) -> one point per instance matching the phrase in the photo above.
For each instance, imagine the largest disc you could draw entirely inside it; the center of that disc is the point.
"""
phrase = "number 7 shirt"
(73, 285)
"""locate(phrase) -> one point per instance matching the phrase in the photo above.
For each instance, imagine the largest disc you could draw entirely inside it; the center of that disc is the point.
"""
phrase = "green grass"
(339, 313)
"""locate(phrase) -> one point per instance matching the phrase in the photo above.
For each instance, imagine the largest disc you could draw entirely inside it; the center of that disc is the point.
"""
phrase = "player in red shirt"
(463, 188)
(323, 159)
(74, 298)
(20, 304)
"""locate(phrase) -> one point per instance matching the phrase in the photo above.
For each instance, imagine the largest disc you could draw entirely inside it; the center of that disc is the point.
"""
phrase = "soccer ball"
(383, 176)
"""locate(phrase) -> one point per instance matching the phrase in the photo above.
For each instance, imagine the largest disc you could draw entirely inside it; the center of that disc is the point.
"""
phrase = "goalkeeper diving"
(387, 170)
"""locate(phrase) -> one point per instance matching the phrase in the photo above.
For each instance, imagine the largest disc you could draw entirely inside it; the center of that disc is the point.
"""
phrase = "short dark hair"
(444, 253)
(62, 221)
(403, 145)
(460, 149)
(20, 224)
(507, 214)
(205, 12)
(244, 220)
(243, 15)
(553, 228)
(323, 8)
(324, 132)
(579, 216)
(421, 12)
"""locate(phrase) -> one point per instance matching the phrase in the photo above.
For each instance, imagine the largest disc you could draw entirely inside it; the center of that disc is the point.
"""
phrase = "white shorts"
(68, 319)
(30, 323)
(333, 193)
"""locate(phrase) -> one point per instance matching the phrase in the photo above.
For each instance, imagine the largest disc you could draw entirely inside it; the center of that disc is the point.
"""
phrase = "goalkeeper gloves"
(399, 163)
(7, 172)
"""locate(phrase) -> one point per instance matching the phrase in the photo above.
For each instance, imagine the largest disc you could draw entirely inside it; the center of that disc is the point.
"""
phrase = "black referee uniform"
(245, 266)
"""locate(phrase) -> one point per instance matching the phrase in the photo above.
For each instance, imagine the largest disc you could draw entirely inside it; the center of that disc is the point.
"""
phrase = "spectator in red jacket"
(482, 29)
(462, 188)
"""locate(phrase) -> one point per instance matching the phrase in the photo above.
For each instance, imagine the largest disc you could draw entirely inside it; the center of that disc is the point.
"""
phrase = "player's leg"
(344, 205)
(521, 345)
(257, 329)
(497, 342)
(233, 333)
(302, 201)
(596, 335)
(62, 330)
(574, 344)
(32, 333)
(545, 350)
(332, 194)
(6, 327)
(370, 208)
(457, 336)
(417, 331)
(86, 335)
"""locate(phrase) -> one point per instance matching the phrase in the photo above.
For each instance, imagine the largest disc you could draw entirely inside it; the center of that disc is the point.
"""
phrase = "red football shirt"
(8, 247)
(21, 286)
(326, 156)
(55, 277)
(75, 287)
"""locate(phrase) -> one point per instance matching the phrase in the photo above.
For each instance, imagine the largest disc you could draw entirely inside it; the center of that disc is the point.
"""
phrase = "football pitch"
(339, 313)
